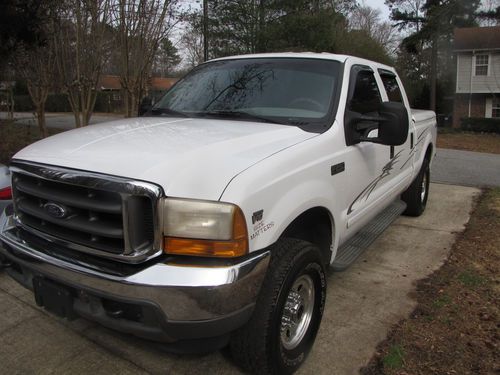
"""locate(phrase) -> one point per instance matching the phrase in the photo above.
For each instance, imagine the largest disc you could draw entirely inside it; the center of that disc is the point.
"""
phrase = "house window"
(495, 107)
(482, 65)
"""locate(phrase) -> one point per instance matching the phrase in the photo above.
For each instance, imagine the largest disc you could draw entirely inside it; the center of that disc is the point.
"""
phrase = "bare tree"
(37, 67)
(368, 19)
(192, 43)
(141, 25)
(81, 50)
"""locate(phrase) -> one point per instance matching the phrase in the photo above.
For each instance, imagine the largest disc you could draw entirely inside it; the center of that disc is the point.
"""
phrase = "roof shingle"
(471, 38)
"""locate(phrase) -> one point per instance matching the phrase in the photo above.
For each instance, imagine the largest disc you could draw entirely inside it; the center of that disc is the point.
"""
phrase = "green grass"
(471, 279)
(441, 301)
(395, 358)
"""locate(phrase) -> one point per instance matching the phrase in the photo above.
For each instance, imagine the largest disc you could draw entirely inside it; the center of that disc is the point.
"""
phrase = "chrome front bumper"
(191, 301)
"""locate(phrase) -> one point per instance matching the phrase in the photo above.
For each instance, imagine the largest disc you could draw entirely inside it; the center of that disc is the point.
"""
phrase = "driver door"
(371, 163)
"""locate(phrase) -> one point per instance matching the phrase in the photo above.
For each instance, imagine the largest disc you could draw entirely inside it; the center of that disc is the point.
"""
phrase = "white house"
(477, 91)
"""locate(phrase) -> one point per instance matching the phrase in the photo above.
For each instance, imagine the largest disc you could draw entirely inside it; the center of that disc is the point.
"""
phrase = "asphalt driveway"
(362, 304)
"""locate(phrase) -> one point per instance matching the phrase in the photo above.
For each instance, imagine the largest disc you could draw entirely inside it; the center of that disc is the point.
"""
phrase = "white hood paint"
(191, 158)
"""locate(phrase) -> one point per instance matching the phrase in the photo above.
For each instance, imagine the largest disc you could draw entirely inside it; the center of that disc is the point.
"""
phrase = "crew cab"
(212, 219)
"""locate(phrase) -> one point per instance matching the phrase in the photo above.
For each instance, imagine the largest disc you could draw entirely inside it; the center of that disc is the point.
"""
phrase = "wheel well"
(314, 225)
(428, 153)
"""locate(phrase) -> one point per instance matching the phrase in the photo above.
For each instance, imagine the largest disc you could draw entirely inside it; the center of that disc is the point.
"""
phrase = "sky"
(379, 4)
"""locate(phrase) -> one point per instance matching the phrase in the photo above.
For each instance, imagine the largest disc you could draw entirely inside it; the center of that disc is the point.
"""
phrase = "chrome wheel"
(423, 189)
(297, 312)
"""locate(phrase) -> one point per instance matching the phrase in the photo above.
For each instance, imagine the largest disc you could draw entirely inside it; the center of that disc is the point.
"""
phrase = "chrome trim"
(84, 249)
(115, 184)
(182, 292)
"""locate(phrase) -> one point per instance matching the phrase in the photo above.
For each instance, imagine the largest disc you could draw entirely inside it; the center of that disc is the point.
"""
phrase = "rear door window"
(391, 86)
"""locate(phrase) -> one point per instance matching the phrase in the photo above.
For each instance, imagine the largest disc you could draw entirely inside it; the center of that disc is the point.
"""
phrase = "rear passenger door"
(401, 156)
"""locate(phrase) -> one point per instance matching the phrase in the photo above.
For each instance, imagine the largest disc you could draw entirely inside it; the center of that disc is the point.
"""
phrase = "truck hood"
(191, 158)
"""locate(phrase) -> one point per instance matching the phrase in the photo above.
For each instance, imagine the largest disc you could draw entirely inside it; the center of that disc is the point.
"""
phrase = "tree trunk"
(434, 55)
(205, 30)
(40, 115)
(126, 101)
(262, 25)
(92, 96)
(10, 105)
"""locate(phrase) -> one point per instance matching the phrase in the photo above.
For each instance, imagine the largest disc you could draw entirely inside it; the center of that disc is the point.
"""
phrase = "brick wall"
(461, 107)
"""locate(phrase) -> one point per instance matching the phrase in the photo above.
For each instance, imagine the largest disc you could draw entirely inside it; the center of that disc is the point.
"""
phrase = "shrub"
(23, 103)
(477, 124)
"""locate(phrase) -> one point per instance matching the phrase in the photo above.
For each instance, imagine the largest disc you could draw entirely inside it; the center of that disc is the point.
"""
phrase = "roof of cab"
(309, 55)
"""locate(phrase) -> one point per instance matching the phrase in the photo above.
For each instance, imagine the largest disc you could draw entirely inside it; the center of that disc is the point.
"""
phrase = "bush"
(23, 103)
(57, 103)
(105, 102)
(54, 103)
(477, 124)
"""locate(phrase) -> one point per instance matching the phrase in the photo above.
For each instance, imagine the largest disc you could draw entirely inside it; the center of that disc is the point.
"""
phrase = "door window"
(392, 87)
(366, 96)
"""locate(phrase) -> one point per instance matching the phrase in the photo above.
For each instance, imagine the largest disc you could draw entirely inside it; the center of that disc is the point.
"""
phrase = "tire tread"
(249, 344)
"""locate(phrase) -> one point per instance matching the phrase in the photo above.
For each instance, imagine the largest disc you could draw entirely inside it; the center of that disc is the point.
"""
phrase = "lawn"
(479, 142)
(454, 328)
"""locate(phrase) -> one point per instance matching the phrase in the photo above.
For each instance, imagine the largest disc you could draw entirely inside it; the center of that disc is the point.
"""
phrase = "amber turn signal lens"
(235, 247)
(205, 248)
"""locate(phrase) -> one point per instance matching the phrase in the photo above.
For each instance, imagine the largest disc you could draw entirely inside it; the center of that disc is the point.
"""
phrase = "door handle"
(411, 141)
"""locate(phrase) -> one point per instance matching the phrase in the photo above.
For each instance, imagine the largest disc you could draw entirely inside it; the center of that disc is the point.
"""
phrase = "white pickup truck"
(212, 218)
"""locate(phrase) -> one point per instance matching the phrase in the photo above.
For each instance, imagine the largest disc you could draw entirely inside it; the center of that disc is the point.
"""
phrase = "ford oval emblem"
(56, 210)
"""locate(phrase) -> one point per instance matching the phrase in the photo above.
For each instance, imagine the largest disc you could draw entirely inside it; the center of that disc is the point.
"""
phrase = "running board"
(355, 246)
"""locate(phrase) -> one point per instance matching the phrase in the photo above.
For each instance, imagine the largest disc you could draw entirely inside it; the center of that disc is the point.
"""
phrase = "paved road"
(362, 304)
(60, 120)
(466, 168)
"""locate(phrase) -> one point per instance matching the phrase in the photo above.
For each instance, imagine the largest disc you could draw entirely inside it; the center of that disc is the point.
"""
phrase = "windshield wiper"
(168, 111)
(239, 115)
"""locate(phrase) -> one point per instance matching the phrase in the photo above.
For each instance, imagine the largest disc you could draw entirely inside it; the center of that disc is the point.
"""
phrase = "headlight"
(203, 228)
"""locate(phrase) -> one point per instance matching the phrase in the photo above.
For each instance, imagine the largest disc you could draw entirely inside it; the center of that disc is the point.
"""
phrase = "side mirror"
(392, 124)
(393, 129)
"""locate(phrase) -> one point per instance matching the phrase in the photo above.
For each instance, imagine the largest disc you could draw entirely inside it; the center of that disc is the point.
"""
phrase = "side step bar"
(355, 246)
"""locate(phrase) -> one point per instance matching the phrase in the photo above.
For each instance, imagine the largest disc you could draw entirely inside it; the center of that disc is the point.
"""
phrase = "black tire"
(262, 346)
(417, 193)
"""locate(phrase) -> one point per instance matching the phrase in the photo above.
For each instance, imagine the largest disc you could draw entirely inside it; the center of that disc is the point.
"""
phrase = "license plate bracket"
(54, 297)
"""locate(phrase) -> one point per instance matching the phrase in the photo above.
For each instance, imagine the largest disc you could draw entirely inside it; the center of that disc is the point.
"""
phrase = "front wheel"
(417, 193)
(288, 312)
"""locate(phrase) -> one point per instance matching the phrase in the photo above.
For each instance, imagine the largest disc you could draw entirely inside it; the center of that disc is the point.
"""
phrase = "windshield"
(288, 91)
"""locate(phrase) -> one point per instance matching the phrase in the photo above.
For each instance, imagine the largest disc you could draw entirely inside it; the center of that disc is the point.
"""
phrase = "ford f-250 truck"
(212, 218)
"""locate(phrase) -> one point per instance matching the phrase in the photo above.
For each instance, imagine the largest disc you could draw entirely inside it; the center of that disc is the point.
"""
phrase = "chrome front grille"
(98, 214)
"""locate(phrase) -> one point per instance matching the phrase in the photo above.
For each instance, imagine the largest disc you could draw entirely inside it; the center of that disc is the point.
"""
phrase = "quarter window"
(366, 97)
(482, 62)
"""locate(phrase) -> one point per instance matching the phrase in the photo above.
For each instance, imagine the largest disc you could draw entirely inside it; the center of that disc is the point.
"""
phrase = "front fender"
(271, 200)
